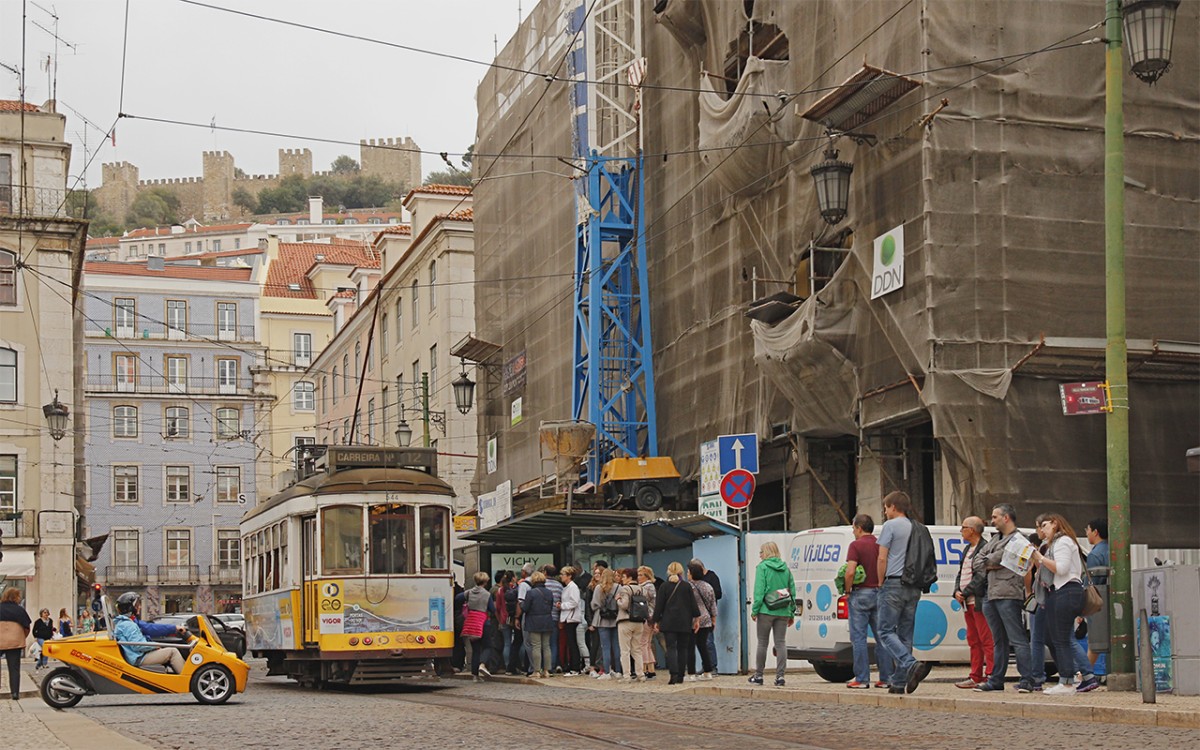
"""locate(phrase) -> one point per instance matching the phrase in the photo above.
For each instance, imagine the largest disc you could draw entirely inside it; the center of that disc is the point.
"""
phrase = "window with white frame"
(371, 420)
(228, 423)
(226, 320)
(324, 393)
(227, 375)
(357, 360)
(383, 332)
(416, 374)
(399, 321)
(302, 349)
(416, 310)
(178, 422)
(179, 547)
(303, 397)
(125, 421)
(229, 483)
(229, 549)
(432, 285)
(433, 363)
(334, 392)
(8, 376)
(383, 414)
(216, 246)
(179, 484)
(127, 548)
(8, 276)
(177, 374)
(345, 374)
(8, 484)
(125, 372)
(125, 484)
(124, 316)
(176, 318)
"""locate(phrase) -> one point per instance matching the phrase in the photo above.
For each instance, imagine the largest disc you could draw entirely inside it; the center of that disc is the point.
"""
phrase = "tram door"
(308, 573)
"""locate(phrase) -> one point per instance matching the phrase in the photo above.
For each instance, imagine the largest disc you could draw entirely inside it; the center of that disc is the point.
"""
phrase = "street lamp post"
(1151, 25)
(464, 393)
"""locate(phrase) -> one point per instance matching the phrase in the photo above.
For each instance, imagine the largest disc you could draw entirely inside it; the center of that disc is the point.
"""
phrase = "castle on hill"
(210, 197)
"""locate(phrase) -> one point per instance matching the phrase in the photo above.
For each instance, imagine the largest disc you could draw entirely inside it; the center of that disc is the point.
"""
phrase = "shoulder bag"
(1092, 601)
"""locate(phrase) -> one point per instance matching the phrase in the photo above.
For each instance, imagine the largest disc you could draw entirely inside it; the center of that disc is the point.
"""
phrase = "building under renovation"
(919, 342)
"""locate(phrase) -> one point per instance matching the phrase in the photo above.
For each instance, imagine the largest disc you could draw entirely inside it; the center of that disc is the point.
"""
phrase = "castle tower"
(118, 189)
(295, 161)
(392, 159)
(218, 185)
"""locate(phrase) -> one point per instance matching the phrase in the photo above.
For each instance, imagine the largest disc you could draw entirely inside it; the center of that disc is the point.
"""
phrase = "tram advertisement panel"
(269, 621)
(405, 612)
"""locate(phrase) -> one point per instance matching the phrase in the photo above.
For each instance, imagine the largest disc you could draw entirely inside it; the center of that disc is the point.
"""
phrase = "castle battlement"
(171, 181)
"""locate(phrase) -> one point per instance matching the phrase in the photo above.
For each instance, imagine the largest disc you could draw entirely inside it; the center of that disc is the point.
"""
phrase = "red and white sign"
(737, 488)
(1084, 398)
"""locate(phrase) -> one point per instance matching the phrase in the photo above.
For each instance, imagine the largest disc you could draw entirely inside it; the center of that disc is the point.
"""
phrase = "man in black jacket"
(970, 588)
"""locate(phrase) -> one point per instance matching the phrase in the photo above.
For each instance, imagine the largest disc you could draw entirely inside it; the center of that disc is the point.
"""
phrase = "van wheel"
(648, 497)
(62, 688)
(213, 684)
(831, 672)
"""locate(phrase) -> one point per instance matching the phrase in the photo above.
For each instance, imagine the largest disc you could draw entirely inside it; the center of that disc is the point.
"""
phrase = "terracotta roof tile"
(467, 214)
(296, 258)
(443, 189)
(96, 242)
(166, 231)
(170, 271)
(12, 105)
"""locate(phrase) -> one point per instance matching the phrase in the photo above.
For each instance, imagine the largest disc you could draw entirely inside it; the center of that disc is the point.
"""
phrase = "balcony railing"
(39, 201)
(145, 329)
(18, 524)
(178, 574)
(242, 385)
(135, 574)
(225, 575)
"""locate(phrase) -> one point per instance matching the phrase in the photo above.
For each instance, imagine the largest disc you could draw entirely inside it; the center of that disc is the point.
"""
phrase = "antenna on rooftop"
(52, 63)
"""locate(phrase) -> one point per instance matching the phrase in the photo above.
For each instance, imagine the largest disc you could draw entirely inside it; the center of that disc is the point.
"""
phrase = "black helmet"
(127, 602)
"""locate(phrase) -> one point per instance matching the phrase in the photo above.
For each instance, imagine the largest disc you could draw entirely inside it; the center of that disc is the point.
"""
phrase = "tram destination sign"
(1084, 398)
(340, 458)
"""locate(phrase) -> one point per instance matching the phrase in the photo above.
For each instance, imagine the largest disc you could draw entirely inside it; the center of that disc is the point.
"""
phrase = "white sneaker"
(706, 676)
(483, 670)
(605, 676)
(572, 674)
(1060, 689)
(691, 678)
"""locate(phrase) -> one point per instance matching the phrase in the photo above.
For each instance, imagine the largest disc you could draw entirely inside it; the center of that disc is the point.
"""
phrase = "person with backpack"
(633, 609)
(706, 601)
(604, 621)
(504, 615)
(773, 611)
(676, 616)
(905, 560)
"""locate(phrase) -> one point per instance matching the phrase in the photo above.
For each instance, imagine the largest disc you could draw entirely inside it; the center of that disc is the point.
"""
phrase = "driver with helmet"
(130, 632)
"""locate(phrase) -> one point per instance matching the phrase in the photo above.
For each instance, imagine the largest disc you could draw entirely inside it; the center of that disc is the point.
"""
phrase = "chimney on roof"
(316, 209)
(155, 263)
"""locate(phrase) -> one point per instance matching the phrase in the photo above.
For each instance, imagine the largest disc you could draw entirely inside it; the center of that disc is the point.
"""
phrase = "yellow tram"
(346, 573)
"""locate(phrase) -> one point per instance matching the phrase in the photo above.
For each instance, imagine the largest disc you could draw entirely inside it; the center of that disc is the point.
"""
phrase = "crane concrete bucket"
(567, 442)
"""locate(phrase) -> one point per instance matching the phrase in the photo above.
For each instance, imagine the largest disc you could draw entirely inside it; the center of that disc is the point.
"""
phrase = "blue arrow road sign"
(738, 452)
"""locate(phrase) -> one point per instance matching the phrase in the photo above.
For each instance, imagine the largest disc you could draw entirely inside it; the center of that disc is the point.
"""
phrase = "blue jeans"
(864, 611)
(1004, 620)
(506, 639)
(1037, 646)
(1082, 665)
(610, 650)
(1062, 607)
(43, 660)
(897, 618)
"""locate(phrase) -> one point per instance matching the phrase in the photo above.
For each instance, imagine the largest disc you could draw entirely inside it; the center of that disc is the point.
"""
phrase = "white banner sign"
(714, 507)
(710, 468)
(888, 274)
(491, 455)
(515, 560)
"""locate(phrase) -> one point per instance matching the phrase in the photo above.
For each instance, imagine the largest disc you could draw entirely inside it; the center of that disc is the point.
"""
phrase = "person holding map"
(1005, 595)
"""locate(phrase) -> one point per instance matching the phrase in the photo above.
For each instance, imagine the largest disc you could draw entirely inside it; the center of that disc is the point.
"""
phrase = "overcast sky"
(195, 64)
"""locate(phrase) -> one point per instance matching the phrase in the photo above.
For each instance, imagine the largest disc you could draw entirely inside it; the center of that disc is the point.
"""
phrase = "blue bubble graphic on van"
(954, 605)
(933, 588)
(808, 589)
(962, 634)
(931, 626)
(824, 598)
(823, 630)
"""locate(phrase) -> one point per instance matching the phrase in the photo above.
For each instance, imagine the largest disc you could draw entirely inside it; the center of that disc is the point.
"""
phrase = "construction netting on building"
(991, 168)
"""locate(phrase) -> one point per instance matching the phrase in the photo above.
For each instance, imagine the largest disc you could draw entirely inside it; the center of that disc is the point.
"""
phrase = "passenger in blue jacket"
(131, 632)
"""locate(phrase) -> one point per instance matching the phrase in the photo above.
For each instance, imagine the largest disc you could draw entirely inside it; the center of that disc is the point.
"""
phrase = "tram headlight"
(432, 639)
(420, 639)
(354, 641)
(367, 640)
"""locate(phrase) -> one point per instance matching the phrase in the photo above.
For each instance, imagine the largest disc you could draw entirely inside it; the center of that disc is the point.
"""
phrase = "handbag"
(1031, 603)
(777, 598)
(1092, 601)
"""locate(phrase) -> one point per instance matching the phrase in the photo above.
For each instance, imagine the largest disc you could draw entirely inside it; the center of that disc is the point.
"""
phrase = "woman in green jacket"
(774, 610)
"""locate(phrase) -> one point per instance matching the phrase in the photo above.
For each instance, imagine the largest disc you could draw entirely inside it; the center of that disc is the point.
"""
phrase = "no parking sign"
(737, 488)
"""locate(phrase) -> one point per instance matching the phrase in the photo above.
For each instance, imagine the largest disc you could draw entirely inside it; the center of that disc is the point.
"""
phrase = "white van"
(822, 622)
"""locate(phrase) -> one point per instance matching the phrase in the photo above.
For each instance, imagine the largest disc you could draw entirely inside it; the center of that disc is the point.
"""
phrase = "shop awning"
(17, 563)
(548, 527)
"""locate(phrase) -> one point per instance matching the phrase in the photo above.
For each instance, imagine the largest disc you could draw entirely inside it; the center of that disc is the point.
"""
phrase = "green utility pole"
(425, 423)
(1120, 665)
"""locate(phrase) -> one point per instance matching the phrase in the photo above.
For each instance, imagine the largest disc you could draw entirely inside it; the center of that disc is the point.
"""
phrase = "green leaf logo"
(887, 253)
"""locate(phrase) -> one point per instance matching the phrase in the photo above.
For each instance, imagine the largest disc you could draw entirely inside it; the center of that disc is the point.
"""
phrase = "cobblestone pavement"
(275, 713)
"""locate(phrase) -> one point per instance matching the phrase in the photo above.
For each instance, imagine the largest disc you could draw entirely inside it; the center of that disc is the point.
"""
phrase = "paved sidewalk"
(29, 724)
(936, 693)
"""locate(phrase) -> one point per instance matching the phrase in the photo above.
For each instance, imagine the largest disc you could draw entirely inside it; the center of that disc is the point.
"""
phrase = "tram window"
(341, 540)
(391, 535)
(435, 522)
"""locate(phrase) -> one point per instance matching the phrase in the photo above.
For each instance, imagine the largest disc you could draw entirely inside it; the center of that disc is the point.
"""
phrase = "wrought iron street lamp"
(1149, 32)
(832, 180)
(464, 391)
(58, 417)
(404, 433)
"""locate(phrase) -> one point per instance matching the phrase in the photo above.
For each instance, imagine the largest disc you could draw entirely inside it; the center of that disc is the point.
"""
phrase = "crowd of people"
(993, 597)
(607, 623)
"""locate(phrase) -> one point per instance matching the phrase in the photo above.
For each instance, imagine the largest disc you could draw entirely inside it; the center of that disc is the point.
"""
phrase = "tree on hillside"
(82, 204)
(290, 196)
(153, 207)
(344, 165)
(244, 200)
(448, 177)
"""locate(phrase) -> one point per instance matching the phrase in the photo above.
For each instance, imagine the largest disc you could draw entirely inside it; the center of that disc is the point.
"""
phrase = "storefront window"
(435, 523)
(341, 534)
(391, 534)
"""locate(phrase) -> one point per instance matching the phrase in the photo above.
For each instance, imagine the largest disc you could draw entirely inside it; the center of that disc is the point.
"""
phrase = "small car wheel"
(62, 688)
(213, 684)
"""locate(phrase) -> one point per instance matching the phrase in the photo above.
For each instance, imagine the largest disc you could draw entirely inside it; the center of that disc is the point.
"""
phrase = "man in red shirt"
(864, 605)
